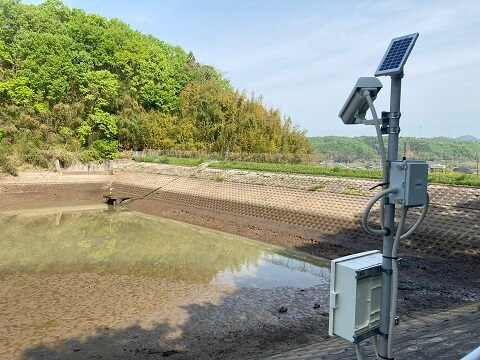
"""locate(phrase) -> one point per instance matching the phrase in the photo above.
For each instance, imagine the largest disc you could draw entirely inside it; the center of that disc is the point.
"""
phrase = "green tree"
(99, 133)
(16, 91)
(100, 89)
(12, 18)
(71, 81)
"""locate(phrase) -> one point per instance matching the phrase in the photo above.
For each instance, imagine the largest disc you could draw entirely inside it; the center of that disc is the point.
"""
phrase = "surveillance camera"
(356, 106)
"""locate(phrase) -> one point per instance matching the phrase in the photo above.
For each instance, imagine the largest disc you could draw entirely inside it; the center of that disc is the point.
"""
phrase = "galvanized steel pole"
(393, 131)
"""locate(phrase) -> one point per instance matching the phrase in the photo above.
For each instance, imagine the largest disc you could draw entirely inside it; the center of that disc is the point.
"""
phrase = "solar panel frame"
(396, 55)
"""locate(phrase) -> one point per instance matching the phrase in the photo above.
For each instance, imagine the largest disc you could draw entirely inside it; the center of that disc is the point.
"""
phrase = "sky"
(304, 56)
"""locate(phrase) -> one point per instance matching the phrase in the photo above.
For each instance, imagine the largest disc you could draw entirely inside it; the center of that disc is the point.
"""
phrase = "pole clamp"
(393, 130)
(387, 115)
(385, 335)
(399, 261)
(389, 272)
(386, 128)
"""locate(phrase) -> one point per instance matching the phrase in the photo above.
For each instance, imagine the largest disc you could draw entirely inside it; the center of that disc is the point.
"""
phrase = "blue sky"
(304, 56)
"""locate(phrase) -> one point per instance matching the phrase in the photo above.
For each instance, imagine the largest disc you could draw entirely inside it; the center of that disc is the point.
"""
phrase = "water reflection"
(130, 243)
(273, 270)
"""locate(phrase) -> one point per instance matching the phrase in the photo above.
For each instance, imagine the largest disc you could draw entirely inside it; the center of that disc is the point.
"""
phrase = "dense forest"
(74, 84)
(365, 148)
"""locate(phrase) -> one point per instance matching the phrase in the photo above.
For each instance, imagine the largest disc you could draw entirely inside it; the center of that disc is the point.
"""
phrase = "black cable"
(386, 358)
(378, 185)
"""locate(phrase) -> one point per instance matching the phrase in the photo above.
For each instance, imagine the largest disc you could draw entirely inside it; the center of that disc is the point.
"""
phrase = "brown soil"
(430, 280)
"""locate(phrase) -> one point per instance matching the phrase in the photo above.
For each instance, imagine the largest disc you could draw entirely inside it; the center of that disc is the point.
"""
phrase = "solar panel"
(396, 55)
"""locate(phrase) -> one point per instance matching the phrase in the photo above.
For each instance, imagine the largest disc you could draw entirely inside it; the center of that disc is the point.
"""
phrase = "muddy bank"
(428, 282)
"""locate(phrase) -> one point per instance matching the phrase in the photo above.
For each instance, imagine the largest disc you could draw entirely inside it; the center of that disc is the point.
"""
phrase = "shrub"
(36, 158)
(107, 149)
(169, 160)
(7, 166)
(89, 155)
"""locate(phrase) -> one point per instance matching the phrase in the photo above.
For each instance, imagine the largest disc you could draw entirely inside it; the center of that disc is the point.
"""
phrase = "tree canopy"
(78, 83)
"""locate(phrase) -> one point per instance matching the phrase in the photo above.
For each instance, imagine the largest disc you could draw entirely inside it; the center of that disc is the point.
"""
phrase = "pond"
(78, 271)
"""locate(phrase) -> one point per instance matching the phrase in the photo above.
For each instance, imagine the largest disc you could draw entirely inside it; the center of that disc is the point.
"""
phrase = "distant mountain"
(348, 149)
(467, 137)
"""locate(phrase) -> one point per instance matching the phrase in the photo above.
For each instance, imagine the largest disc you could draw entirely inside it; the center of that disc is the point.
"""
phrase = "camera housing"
(356, 106)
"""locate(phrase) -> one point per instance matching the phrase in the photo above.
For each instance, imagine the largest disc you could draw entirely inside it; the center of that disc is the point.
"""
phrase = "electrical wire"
(398, 235)
(419, 221)
(394, 284)
(358, 352)
(383, 156)
(369, 206)
(375, 346)
(368, 97)
(394, 292)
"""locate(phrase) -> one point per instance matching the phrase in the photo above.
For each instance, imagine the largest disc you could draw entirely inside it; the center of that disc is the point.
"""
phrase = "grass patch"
(218, 178)
(316, 187)
(445, 177)
(448, 177)
(168, 160)
(299, 169)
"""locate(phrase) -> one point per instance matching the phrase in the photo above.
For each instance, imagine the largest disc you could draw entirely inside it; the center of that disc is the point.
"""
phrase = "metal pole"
(477, 163)
(389, 216)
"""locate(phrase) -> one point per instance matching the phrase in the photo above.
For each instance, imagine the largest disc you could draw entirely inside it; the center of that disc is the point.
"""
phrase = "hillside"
(77, 84)
(365, 148)
(468, 137)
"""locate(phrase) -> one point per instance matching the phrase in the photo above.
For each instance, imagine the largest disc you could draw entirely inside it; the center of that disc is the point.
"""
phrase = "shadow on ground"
(193, 340)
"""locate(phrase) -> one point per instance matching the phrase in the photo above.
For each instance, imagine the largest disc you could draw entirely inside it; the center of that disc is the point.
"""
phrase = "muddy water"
(76, 281)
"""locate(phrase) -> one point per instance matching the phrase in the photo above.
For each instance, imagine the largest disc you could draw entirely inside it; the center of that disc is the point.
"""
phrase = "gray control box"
(410, 177)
